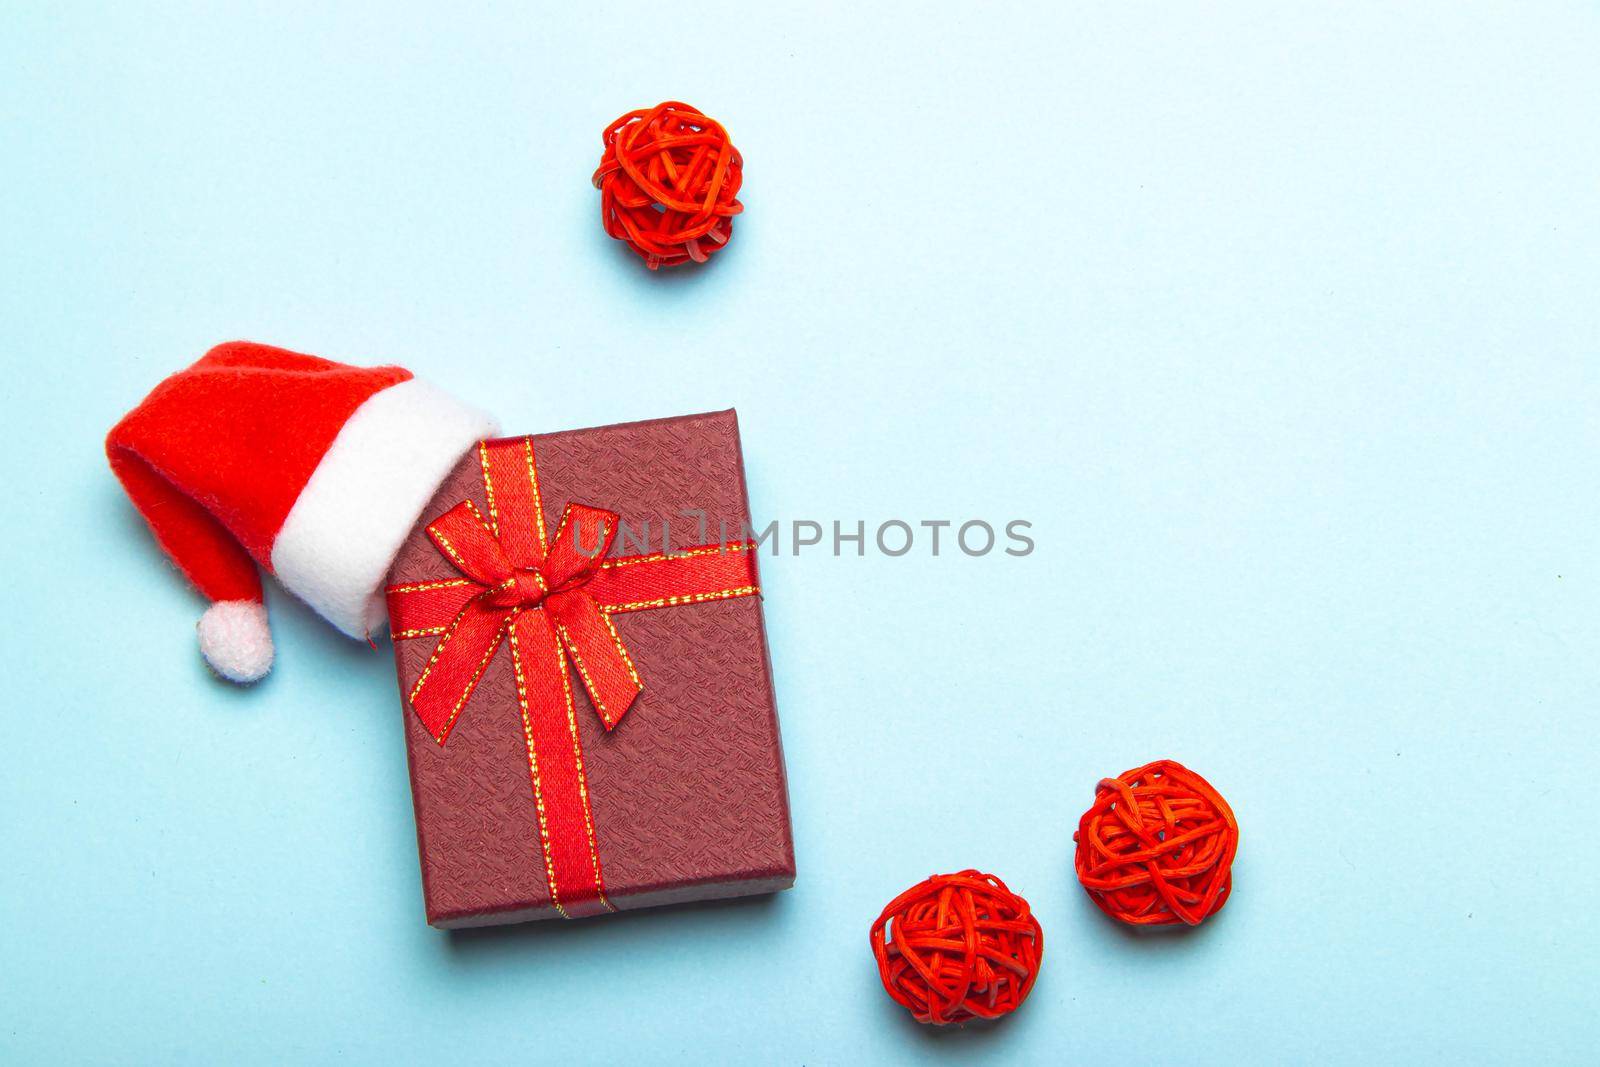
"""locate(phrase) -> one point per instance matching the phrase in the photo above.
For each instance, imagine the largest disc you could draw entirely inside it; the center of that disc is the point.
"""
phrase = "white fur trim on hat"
(235, 640)
(335, 548)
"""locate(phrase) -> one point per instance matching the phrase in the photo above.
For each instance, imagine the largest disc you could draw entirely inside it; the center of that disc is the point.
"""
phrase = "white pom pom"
(235, 640)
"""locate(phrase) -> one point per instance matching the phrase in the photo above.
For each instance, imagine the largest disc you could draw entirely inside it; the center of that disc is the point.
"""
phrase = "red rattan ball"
(667, 182)
(958, 947)
(1157, 847)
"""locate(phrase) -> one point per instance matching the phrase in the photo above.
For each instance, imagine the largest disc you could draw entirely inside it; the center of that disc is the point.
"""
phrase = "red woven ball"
(1157, 847)
(958, 947)
(667, 182)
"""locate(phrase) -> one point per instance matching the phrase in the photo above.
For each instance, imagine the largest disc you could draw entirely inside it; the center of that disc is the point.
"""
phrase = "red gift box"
(583, 666)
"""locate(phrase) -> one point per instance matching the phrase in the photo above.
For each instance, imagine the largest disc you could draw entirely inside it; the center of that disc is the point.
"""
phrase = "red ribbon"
(551, 600)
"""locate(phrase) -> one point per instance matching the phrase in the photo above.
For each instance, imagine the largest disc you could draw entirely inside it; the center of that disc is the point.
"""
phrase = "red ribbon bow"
(550, 600)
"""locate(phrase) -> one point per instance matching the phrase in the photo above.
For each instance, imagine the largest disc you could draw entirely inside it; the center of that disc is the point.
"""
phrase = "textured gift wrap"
(529, 803)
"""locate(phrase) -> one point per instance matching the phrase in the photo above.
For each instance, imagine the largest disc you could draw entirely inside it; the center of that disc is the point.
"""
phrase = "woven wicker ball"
(958, 947)
(1157, 846)
(668, 180)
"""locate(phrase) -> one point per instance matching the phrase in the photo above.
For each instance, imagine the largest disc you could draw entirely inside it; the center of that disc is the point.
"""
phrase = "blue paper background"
(1279, 323)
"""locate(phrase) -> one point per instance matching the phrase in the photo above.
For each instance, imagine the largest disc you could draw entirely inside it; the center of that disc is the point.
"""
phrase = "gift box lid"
(685, 798)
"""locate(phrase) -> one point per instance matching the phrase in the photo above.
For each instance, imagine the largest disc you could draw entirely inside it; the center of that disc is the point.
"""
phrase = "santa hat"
(314, 470)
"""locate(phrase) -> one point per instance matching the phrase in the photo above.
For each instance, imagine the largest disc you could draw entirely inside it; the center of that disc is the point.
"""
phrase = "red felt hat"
(313, 470)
